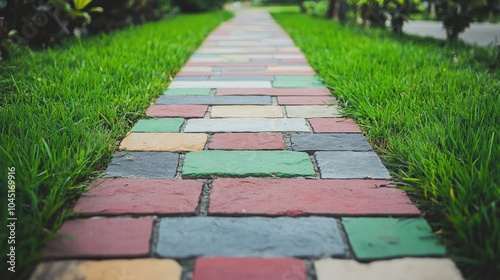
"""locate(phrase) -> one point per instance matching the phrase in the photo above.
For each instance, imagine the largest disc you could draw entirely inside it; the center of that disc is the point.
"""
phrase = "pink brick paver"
(140, 196)
(180, 111)
(102, 238)
(297, 197)
(339, 125)
(247, 141)
(221, 268)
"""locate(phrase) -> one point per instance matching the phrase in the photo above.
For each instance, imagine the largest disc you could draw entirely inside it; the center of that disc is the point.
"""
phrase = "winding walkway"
(246, 170)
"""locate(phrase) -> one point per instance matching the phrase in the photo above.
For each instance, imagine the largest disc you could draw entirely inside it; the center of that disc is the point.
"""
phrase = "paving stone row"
(245, 168)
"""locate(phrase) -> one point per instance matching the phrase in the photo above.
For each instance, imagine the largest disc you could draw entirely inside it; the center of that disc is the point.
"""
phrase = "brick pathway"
(246, 170)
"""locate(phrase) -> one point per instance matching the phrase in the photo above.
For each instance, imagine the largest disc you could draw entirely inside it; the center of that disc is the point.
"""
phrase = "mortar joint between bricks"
(187, 268)
(311, 130)
(208, 113)
(155, 235)
(274, 101)
(178, 174)
(310, 269)
(343, 234)
(209, 140)
(204, 201)
(283, 110)
(287, 137)
(315, 165)
(213, 91)
(183, 126)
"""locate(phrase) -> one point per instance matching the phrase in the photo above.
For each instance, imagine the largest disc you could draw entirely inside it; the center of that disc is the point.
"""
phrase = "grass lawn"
(433, 111)
(63, 110)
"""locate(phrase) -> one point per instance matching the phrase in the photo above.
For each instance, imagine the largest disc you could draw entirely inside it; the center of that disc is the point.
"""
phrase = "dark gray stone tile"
(330, 142)
(254, 236)
(242, 78)
(351, 165)
(214, 100)
(143, 165)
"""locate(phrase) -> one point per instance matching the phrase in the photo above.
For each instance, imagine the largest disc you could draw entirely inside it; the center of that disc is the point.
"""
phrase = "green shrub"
(399, 12)
(458, 16)
(196, 6)
(40, 23)
(316, 8)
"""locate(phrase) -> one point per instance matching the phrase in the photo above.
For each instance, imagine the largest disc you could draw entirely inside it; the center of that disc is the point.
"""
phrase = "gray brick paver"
(256, 236)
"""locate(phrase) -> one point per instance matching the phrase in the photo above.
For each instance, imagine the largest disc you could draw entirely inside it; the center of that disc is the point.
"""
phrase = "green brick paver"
(297, 82)
(187, 91)
(247, 163)
(159, 125)
(380, 238)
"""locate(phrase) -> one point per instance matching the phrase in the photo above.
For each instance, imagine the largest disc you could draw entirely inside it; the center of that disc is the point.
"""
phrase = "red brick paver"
(140, 196)
(221, 268)
(180, 111)
(297, 197)
(99, 238)
(247, 141)
(340, 125)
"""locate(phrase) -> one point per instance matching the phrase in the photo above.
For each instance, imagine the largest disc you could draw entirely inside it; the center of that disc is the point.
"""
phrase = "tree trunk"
(365, 13)
(302, 8)
(432, 8)
(331, 8)
(342, 11)
(336, 10)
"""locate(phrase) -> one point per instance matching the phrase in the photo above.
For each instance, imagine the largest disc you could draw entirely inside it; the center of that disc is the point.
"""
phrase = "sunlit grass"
(63, 110)
(433, 110)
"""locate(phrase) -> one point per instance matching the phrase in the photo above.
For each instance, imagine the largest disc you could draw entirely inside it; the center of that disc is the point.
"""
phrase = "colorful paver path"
(246, 170)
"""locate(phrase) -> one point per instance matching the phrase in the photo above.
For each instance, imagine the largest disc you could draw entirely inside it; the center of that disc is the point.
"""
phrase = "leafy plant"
(371, 11)
(3, 51)
(316, 8)
(458, 16)
(78, 13)
(399, 11)
(196, 6)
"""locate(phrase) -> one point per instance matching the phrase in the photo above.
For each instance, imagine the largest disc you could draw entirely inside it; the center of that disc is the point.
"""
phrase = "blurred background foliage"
(41, 23)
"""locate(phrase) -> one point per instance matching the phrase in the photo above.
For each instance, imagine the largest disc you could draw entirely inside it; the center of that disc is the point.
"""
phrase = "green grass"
(63, 110)
(433, 111)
